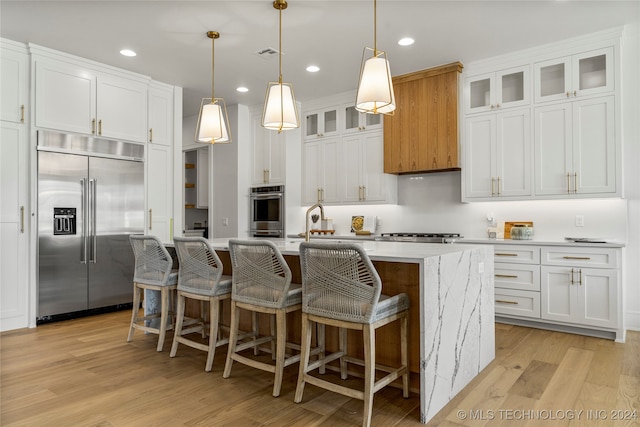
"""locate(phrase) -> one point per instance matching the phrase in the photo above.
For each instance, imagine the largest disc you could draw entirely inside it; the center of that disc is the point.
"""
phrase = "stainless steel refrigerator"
(90, 199)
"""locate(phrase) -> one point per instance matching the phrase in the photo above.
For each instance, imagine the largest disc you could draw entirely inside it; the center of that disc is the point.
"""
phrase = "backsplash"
(431, 203)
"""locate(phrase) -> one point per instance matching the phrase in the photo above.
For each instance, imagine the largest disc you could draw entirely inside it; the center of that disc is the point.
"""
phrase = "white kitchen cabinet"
(159, 180)
(575, 148)
(320, 179)
(14, 81)
(268, 154)
(160, 114)
(583, 74)
(321, 123)
(14, 226)
(354, 121)
(73, 98)
(363, 178)
(583, 296)
(497, 90)
(498, 155)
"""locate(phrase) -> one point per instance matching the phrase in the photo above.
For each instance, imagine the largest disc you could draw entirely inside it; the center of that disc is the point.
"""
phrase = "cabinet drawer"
(581, 257)
(515, 276)
(517, 254)
(517, 303)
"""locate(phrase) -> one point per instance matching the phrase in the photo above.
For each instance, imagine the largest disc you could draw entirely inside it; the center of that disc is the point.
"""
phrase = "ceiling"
(170, 37)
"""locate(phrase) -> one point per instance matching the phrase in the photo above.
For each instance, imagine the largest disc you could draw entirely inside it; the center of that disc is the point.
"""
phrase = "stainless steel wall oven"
(267, 211)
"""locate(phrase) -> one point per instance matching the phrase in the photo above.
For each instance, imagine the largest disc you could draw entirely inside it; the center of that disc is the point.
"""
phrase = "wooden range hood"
(422, 135)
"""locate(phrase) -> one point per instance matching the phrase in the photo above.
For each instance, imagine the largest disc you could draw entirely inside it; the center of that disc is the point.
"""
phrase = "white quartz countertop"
(377, 251)
(333, 237)
(535, 242)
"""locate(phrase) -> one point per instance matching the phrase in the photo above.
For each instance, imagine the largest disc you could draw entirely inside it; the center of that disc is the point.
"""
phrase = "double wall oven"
(267, 211)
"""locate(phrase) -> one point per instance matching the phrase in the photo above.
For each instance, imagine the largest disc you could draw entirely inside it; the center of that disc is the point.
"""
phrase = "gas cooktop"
(420, 237)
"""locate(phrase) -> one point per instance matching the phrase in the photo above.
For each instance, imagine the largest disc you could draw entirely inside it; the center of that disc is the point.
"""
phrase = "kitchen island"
(451, 320)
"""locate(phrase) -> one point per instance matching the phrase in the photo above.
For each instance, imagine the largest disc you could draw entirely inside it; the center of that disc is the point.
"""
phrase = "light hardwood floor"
(83, 373)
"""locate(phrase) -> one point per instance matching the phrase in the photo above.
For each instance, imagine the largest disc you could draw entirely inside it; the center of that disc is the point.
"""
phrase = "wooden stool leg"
(164, 316)
(342, 339)
(213, 331)
(281, 343)
(179, 322)
(254, 327)
(233, 338)
(274, 338)
(320, 328)
(369, 372)
(305, 342)
(134, 310)
(404, 355)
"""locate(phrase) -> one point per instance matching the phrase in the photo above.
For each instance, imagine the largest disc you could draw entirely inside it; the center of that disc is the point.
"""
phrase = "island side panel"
(457, 329)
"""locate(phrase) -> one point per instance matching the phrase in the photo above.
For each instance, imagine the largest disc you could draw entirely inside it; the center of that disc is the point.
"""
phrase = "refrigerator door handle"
(83, 238)
(93, 257)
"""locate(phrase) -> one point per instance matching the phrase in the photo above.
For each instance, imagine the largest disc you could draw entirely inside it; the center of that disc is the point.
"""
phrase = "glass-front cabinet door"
(499, 90)
(583, 74)
(321, 123)
(355, 121)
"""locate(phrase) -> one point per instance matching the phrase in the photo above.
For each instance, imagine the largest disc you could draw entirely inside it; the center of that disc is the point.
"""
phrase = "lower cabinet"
(559, 287)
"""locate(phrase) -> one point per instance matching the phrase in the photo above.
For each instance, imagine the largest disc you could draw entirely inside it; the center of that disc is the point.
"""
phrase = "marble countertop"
(377, 251)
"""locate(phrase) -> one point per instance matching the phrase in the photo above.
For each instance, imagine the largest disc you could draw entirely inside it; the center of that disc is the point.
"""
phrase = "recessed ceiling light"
(313, 68)
(406, 41)
(242, 89)
(127, 52)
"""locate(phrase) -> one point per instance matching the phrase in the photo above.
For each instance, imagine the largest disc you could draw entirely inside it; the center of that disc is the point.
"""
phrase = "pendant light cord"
(280, 47)
(375, 21)
(212, 67)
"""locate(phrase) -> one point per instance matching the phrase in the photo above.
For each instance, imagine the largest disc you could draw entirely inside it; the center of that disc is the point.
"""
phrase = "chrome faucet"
(306, 227)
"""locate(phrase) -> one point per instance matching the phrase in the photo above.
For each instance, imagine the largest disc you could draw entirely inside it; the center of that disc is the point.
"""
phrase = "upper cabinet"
(355, 121)
(321, 123)
(14, 82)
(71, 96)
(583, 74)
(160, 114)
(348, 167)
(564, 142)
(497, 90)
(268, 154)
(422, 135)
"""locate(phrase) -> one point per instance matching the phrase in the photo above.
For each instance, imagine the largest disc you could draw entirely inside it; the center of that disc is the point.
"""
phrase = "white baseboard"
(632, 320)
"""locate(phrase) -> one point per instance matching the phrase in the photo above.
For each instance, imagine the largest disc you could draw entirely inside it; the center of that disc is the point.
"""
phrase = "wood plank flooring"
(83, 373)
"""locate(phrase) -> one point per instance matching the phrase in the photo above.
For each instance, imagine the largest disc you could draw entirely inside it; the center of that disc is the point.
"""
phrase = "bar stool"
(152, 272)
(341, 288)
(262, 284)
(200, 278)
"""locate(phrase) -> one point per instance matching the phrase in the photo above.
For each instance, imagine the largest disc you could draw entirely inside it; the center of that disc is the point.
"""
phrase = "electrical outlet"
(579, 220)
(481, 267)
(225, 221)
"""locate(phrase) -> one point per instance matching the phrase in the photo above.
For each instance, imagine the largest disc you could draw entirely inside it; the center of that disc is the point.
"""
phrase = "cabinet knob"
(575, 93)
(568, 94)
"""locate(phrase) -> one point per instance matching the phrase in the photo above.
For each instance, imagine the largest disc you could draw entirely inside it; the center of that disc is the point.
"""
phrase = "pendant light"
(375, 87)
(213, 123)
(280, 111)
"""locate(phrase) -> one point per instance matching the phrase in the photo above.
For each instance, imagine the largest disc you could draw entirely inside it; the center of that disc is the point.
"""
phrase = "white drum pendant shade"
(280, 112)
(375, 89)
(213, 122)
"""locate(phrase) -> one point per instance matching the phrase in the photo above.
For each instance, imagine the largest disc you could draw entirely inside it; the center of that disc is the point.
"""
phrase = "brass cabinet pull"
(150, 134)
(360, 192)
(506, 276)
(364, 193)
(504, 254)
(575, 182)
(502, 301)
(492, 191)
(580, 276)
(575, 93)
(498, 186)
(93, 126)
(571, 279)
(576, 257)
(322, 192)
(22, 219)
(150, 219)
(100, 127)
(22, 113)
(568, 183)
(318, 194)
(568, 94)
